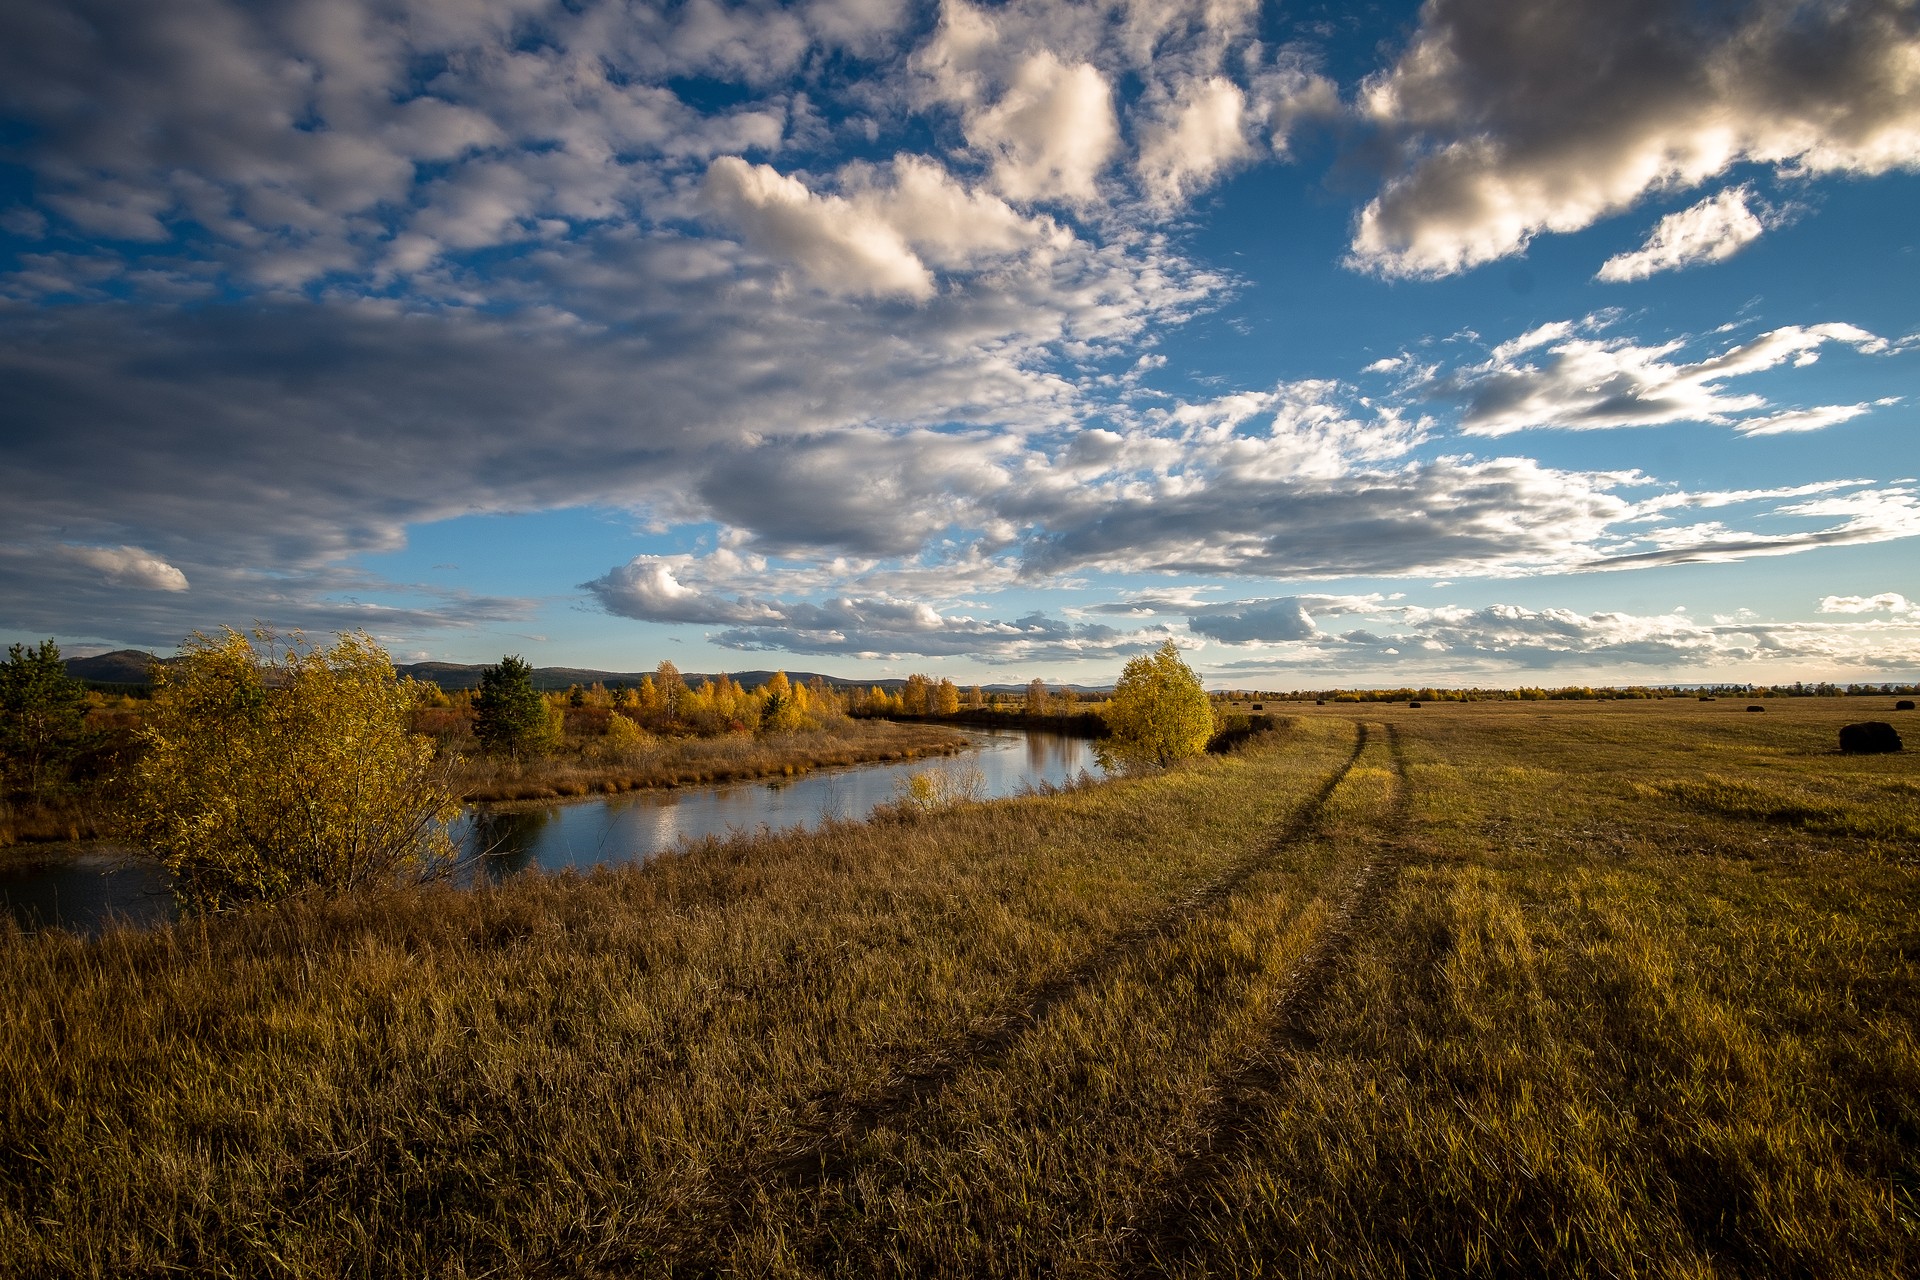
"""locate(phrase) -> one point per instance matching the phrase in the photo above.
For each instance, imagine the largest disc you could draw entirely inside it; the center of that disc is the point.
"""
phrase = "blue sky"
(1489, 343)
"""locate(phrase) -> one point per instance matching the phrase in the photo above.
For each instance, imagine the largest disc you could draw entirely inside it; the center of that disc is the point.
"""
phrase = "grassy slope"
(1585, 988)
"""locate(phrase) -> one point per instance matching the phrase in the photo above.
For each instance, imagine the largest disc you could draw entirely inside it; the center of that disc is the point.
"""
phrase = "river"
(81, 891)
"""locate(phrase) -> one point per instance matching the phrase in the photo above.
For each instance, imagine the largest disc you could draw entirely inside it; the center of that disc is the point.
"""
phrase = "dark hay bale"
(1319, 702)
(1413, 704)
(1756, 708)
(1261, 706)
(1706, 697)
(1905, 704)
(1870, 737)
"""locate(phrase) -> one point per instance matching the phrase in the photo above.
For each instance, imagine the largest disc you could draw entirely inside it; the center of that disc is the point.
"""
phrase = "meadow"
(1611, 988)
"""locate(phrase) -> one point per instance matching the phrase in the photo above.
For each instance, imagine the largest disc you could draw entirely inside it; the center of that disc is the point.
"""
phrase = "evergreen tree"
(509, 715)
(43, 715)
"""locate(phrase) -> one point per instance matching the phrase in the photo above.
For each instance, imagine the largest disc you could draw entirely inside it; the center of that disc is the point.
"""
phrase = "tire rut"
(822, 1146)
(1225, 1127)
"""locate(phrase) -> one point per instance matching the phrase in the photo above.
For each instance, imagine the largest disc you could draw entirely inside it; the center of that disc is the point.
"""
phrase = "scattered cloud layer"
(649, 588)
(1507, 644)
(867, 300)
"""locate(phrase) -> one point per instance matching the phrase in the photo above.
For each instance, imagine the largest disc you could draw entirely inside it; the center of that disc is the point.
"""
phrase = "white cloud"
(841, 247)
(949, 225)
(1512, 120)
(127, 567)
(1796, 420)
(1290, 94)
(1886, 602)
(1052, 132)
(1591, 383)
(1193, 139)
(1711, 231)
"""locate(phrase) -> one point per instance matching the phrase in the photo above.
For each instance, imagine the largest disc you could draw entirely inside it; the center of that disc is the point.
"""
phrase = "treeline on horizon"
(666, 702)
(1589, 693)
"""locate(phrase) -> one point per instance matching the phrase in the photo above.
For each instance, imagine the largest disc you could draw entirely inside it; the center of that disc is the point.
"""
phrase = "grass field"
(1620, 989)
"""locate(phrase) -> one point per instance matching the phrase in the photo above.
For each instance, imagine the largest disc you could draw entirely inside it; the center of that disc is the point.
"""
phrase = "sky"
(1479, 342)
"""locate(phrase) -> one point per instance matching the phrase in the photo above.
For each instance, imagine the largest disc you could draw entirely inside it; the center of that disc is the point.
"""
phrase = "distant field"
(1614, 988)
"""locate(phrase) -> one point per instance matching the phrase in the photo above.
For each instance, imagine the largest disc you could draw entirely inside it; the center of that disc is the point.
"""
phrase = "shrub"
(624, 740)
(267, 776)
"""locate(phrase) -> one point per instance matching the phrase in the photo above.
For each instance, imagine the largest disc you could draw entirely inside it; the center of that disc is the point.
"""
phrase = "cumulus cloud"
(948, 224)
(1033, 87)
(1051, 133)
(1509, 120)
(127, 567)
(844, 249)
(1197, 136)
(1290, 94)
(1711, 231)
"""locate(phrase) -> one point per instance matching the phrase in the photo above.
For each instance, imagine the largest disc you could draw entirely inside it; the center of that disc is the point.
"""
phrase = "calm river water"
(82, 891)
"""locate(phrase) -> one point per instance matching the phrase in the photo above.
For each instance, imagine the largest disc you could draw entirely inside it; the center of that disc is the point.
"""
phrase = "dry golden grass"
(1520, 989)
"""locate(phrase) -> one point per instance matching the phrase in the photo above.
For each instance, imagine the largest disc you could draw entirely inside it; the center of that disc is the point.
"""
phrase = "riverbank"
(577, 771)
(664, 762)
(1077, 724)
(1595, 989)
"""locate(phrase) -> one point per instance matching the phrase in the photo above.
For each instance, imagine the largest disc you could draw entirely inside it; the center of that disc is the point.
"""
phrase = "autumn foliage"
(273, 771)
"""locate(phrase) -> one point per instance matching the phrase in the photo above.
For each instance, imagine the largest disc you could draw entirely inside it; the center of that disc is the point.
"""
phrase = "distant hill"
(122, 666)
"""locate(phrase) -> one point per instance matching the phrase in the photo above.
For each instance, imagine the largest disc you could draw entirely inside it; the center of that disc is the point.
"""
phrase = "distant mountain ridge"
(135, 667)
(122, 666)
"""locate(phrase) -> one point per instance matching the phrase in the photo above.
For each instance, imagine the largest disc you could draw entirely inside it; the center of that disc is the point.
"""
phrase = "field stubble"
(1626, 989)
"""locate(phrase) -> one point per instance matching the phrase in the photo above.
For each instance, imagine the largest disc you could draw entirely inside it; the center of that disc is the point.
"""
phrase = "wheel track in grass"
(1224, 1128)
(822, 1147)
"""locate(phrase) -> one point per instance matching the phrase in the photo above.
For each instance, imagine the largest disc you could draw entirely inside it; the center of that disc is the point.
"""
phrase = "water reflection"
(503, 842)
(84, 892)
(635, 826)
(81, 892)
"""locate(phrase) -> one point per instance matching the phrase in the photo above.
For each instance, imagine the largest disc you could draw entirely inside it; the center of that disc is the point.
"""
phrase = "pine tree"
(43, 715)
(509, 715)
